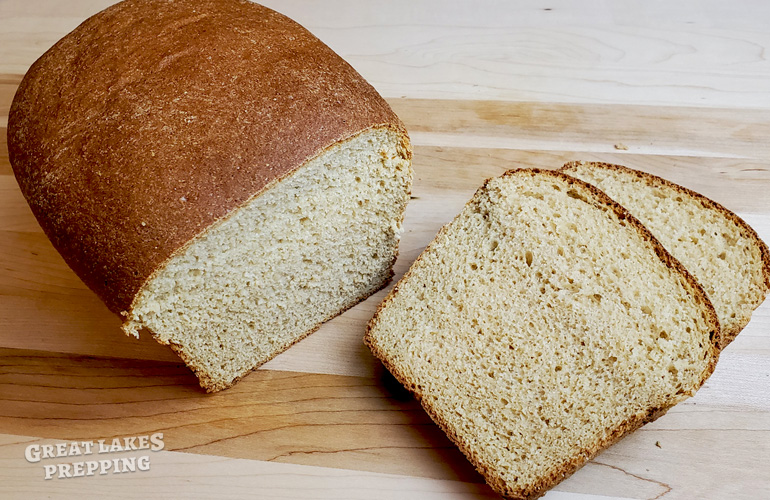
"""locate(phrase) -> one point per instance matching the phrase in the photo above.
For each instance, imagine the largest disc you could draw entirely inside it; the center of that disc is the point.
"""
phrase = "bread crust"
(728, 332)
(155, 119)
(634, 422)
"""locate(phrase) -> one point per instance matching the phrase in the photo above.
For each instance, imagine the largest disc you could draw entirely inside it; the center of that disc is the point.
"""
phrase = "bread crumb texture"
(540, 326)
(296, 255)
(723, 253)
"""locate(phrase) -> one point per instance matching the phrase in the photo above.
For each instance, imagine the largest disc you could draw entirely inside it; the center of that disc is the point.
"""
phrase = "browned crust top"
(153, 119)
(488, 470)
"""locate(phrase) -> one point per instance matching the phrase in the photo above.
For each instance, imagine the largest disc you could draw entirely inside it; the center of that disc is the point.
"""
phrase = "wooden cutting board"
(324, 419)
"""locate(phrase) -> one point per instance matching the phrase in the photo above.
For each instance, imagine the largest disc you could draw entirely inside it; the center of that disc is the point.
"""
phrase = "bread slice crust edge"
(728, 333)
(572, 465)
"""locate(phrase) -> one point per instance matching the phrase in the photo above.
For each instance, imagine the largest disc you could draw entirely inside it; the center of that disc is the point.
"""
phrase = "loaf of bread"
(724, 253)
(214, 172)
(541, 325)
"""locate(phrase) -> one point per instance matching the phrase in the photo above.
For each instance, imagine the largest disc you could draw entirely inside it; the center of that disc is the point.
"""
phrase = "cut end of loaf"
(301, 252)
(542, 324)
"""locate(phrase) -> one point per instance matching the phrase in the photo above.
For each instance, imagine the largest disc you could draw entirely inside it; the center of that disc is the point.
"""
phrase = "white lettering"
(87, 445)
(157, 441)
(35, 453)
(78, 469)
(144, 462)
(49, 470)
(105, 465)
(116, 445)
(48, 451)
(91, 467)
(74, 449)
(64, 470)
(32, 453)
(128, 464)
(129, 443)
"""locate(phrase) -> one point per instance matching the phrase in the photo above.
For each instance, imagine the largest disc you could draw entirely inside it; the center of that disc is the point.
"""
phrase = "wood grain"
(190, 476)
(704, 54)
(303, 418)
(361, 424)
(679, 90)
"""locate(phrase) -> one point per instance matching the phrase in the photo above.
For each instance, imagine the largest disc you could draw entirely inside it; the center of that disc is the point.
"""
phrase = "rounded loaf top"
(153, 119)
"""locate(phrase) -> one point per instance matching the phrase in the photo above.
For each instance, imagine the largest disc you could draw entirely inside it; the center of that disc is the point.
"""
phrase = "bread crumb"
(657, 443)
(621, 147)
(462, 330)
(236, 267)
(704, 243)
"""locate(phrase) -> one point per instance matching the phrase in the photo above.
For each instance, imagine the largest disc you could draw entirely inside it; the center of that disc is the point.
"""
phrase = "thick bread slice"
(723, 252)
(214, 172)
(541, 325)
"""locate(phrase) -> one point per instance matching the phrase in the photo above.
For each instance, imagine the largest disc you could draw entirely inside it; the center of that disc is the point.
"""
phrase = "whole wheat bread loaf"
(724, 253)
(214, 172)
(541, 325)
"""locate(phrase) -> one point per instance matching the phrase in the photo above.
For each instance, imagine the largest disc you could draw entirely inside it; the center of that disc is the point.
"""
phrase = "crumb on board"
(657, 443)
(621, 147)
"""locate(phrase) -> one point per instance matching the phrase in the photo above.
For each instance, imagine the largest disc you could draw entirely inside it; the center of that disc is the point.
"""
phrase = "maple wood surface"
(680, 90)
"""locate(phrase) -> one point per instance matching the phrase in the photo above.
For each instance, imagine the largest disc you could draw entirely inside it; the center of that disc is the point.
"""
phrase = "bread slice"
(541, 325)
(214, 172)
(723, 252)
